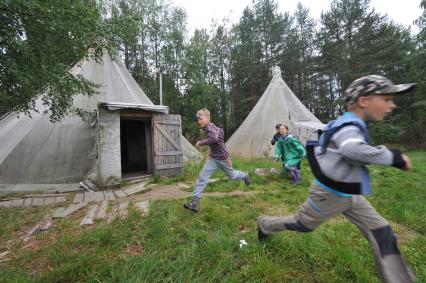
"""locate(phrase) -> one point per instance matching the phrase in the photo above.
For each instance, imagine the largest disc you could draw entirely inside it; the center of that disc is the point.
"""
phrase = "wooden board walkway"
(34, 200)
(98, 196)
(95, 211)
(88, 219)
(62, 212)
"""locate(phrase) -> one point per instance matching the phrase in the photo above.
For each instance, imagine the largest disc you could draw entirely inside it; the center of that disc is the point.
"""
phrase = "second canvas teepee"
(278, 104)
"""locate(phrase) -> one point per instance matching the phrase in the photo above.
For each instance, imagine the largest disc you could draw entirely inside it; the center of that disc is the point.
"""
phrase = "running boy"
(277, 134)
(218, 158)
(291, 152)
(341, 177)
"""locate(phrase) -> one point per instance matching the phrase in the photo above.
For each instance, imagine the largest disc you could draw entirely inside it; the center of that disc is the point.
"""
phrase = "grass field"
(172, 244)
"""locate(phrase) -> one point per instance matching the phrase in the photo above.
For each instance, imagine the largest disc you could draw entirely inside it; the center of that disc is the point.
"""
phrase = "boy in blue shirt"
(341, 176)
(277, 134)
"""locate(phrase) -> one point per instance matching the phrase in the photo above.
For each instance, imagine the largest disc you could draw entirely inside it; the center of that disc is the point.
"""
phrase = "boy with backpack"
(338, 163)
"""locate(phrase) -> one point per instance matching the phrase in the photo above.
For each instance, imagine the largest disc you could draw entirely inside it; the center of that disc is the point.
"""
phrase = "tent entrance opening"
(135, 138)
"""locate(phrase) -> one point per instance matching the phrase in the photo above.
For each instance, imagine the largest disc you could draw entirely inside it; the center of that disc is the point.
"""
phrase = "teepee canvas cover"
(35, 151)
(278, 104)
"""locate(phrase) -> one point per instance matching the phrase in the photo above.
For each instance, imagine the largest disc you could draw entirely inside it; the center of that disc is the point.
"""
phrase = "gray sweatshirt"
(347, 154)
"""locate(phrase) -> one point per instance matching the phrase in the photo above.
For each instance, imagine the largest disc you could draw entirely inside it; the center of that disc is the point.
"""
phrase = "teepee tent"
(36, 151)
(278, 104)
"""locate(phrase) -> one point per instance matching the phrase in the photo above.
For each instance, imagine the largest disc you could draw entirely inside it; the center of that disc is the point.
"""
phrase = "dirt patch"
(162, 192)
(175, 192)
(403, 233)
(337, 219)
(133, 249)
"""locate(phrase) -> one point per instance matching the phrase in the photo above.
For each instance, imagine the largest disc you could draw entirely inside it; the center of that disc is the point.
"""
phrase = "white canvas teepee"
(278, 104)
(36, 151)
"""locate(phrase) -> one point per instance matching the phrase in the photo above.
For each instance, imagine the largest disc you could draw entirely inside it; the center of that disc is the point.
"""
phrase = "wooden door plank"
(168, 137)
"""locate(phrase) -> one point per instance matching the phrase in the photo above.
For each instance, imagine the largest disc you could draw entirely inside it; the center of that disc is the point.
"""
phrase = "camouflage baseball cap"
(374, 84)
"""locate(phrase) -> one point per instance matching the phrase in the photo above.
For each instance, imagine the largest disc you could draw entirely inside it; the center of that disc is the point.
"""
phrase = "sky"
(201, 12)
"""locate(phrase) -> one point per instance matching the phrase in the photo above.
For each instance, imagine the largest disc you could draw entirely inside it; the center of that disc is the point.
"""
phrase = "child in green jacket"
(291, 151)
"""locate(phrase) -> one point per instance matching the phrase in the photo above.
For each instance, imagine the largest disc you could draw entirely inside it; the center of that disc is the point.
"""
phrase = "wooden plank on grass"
(34, 230)
(28, 201)
(46, 223)
(70, 209)
(143, 206)
(122, 209)
(6, 203)
(109, 195)
(3, 254)
(17, 202)
(78, 197)
(135, 189)
(45, 195)
(59, 212)
(49, 200)
(120, 193)
(102, 210)
(38, 201)
(88, 219)
(60, 199)
(89, 196)
(99, 196)
(112, 213)
(88, 185)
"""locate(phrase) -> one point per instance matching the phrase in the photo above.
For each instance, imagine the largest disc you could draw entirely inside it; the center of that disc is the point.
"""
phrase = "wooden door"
(167, 148)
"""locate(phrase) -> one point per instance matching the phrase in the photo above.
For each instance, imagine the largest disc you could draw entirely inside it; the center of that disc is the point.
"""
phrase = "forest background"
(225, 68)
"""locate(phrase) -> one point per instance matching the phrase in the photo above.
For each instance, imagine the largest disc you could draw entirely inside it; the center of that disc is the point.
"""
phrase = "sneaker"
(192, 205)
(247, 179)
(293, 177)
(260, 235)
(297, 176)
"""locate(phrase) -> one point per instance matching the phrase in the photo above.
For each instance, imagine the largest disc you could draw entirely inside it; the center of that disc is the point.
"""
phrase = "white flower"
(243, 243)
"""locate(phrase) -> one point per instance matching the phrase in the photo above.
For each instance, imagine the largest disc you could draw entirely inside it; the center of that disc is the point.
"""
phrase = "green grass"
(174, 245)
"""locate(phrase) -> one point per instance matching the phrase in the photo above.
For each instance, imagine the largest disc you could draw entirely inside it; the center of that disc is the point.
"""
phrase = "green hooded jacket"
(290, 149)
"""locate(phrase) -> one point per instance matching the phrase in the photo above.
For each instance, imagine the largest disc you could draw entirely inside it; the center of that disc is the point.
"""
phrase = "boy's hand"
(229, 162)
(408, 164)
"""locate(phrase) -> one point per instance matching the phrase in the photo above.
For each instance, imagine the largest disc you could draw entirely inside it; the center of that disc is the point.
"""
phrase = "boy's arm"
(273, 139)
(299, 146)
(212, 136)
(355, 149)
(277, 154)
